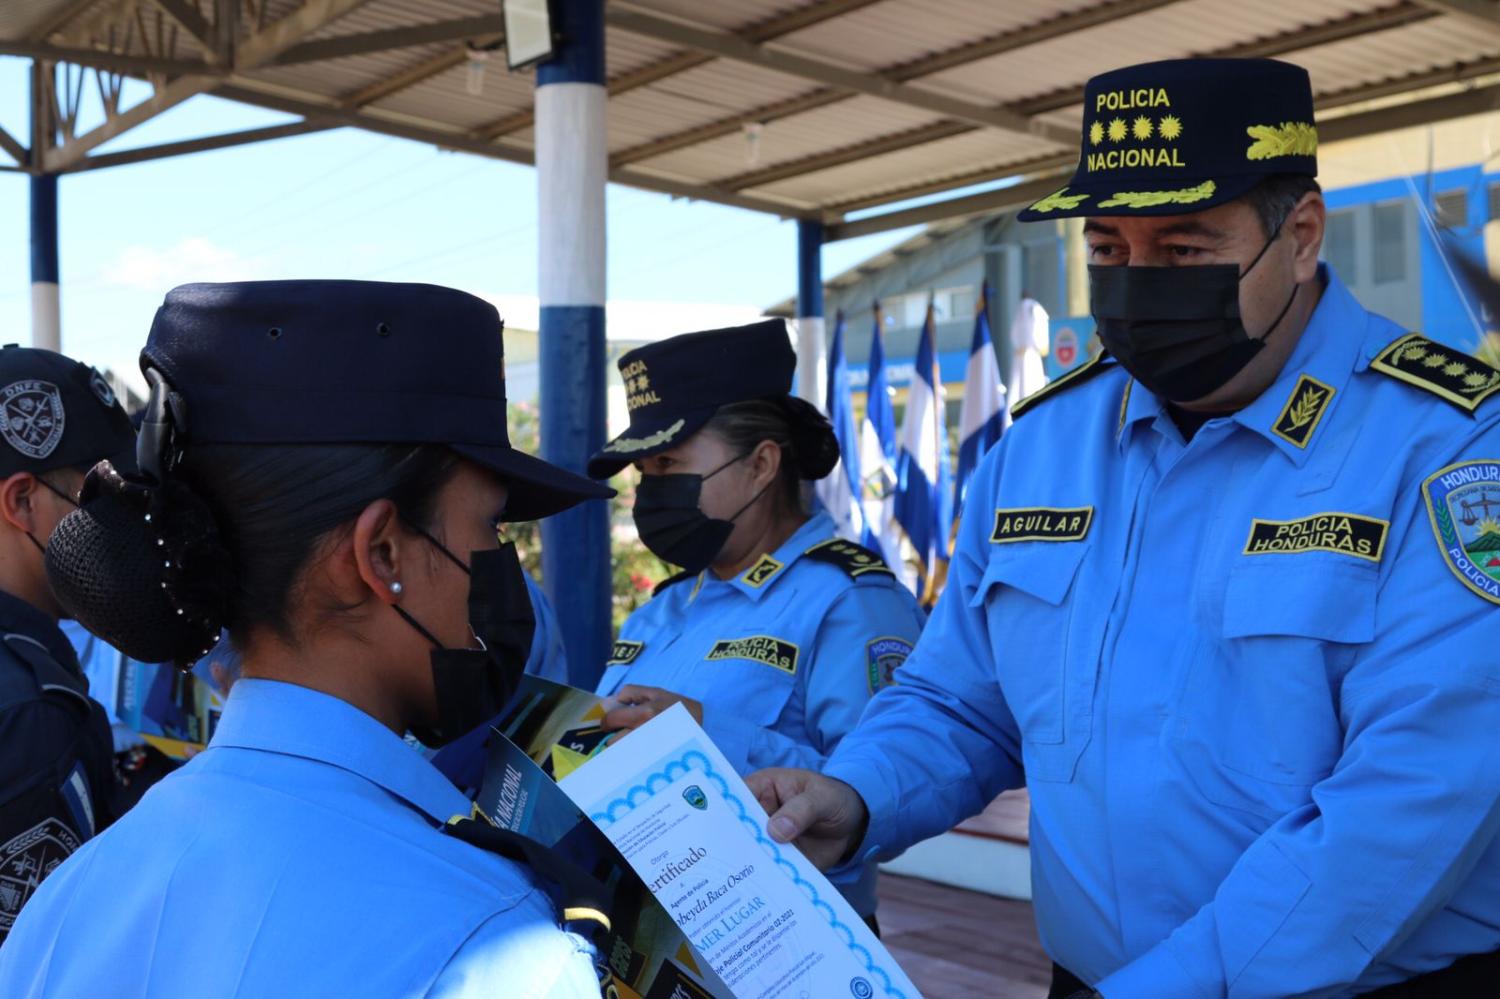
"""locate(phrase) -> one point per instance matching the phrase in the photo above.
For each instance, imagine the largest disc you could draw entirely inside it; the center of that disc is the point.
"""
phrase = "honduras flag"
(877, 455)
(924, 487)
(984, 416)
(839, 491)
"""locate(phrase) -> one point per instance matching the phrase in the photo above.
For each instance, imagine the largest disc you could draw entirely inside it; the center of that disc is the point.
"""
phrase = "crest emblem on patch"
(26, 860)
(33, 417)
(882, 657)
(693, 795)
(1463, 503)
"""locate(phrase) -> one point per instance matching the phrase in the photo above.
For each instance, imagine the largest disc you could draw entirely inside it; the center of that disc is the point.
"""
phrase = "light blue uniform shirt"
(548, 658)
(299, 855)
(1250, 774)
(834, 639)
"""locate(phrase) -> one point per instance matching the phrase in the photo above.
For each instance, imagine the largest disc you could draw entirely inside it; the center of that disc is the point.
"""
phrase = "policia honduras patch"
(773, 652)
(1463, 503)
(1339, 533)
(1042, 523)
(1303, 411)
(1457, 378)
(624, 653)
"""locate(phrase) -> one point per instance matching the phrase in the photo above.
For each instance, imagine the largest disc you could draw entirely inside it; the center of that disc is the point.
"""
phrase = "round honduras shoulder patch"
(1463, 503)
(883, 656)
(33, 417)
(28, 858)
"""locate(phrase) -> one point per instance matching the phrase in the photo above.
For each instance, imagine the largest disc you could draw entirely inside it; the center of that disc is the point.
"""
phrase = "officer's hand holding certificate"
(757, 911)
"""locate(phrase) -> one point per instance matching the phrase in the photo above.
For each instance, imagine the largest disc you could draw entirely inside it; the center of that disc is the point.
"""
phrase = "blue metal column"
(812, 353)
(46, 305)
(571, 163)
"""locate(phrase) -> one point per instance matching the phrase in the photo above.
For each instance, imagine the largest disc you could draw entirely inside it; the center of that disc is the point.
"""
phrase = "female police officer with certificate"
(776, 633)
(323, 468)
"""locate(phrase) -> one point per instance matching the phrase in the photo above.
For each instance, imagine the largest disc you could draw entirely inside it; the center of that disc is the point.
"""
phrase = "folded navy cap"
(674, 386)
(348, 362)
(58, 413)
(1184, 135)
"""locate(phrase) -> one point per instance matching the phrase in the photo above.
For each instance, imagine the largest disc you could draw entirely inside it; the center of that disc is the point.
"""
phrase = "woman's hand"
(635, 705)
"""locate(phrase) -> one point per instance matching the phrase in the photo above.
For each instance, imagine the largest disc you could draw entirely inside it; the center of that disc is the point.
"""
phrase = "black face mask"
(671, 525)
(1177, 330)
(472, 686)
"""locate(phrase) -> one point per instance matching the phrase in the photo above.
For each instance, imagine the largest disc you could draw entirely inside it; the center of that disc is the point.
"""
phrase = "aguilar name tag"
(1042, 523)
(1340, 533)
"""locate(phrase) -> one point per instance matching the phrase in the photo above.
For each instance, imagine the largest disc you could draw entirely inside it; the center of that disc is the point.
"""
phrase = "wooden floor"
(955, 944)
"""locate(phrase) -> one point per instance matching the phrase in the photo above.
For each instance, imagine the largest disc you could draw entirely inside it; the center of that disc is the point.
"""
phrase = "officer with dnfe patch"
(344, 528)
(1239, 640)
(776, 633)
(57, 783)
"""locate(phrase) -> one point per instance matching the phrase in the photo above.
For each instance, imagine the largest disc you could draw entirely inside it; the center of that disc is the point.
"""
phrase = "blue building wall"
(1443, 308)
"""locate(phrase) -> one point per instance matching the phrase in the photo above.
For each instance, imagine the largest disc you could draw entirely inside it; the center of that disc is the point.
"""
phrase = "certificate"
(763, 919)
(646, 952)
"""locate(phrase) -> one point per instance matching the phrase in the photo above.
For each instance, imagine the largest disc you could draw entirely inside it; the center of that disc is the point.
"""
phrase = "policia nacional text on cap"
(1238, 637)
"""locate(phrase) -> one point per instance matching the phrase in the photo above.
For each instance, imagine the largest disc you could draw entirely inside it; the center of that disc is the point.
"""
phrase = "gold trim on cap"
(1150, 199)
(1059, 199)
(1290, 138)
(629, 445)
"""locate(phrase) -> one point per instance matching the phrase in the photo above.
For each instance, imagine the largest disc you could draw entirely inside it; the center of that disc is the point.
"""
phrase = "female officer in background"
(776, 633)
(325, 465)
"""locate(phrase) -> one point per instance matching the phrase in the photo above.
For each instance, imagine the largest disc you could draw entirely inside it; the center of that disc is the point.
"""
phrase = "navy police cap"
(674, 386)
(58, 413)
(347, 362)
(1175, 137)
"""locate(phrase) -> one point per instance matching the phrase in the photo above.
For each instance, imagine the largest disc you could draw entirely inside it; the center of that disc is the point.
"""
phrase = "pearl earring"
(396, 588)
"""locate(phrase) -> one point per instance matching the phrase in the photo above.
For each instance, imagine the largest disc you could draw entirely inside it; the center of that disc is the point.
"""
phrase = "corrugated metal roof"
(679, 107)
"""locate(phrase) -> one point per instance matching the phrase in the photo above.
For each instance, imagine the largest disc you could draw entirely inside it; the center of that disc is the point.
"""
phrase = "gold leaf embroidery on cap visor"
(1150, 199)
(1290, 138)
(628, 445)
(1059, 199)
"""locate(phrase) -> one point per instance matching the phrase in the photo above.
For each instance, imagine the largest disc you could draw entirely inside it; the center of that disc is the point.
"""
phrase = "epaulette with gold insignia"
(1460, 379)
(1077, 376)
(856, 560)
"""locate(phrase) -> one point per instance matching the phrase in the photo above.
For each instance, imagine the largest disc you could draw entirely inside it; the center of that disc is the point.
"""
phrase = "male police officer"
(1240, 641)
(57, 785)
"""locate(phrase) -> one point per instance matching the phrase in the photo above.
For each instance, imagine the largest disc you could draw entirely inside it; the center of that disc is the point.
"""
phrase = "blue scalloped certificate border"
(676, 767)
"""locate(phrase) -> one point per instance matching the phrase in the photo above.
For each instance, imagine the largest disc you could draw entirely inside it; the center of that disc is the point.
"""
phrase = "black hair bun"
(813, 442)
(142, 566)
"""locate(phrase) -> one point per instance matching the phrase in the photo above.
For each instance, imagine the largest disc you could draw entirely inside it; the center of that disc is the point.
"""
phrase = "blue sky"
(346, 204)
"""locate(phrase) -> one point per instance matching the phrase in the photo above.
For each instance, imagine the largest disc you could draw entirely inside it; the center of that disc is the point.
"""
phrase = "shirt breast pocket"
(1261, 720)
(1041, 664)
(748, 689)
